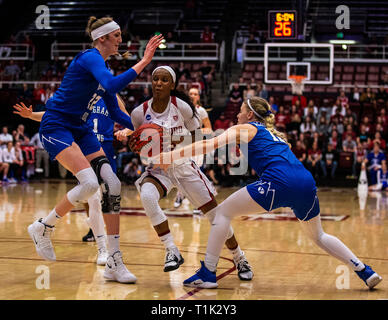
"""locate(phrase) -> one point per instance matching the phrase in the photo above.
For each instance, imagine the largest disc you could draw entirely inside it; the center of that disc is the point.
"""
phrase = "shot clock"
(282, 24)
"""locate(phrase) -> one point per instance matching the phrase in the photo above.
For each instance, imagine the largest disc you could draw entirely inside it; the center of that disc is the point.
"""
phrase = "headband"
(169, 69)
(104, 29)
(261, 117)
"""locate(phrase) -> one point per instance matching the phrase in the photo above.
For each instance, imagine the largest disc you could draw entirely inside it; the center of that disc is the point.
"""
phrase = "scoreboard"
(282, 24)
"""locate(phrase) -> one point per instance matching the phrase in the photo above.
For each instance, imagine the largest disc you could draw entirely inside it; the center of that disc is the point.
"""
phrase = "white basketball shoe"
(102, 256)
(116, 270)
(40, 233)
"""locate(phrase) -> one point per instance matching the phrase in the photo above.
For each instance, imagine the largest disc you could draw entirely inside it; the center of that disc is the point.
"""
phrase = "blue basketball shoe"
(370, 277)
(203, 278)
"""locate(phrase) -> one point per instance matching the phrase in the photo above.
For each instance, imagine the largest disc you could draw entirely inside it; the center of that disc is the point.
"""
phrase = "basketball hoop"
(297, 84)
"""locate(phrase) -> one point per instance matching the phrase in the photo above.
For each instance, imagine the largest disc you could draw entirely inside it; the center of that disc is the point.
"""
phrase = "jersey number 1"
(95, 125)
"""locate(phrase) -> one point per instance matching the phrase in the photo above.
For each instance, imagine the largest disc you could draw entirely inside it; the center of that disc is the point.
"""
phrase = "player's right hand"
(22, 110)
(122, 134)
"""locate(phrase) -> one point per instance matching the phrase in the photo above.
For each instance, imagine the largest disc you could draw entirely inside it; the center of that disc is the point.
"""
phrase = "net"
(297, 84)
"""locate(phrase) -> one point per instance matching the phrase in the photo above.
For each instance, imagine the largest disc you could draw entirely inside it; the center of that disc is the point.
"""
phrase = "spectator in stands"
(322, 127)
(336, 123)
(12, 71)
(5, 137)
(315, 137)
(355, 94)
(21, 136)
(4, 167)
(349, 131)
(272, 103)
(183, 73)
(249, 92)
(132, 171)
(350, 145)
(384, 117)
(134, 46)
(335, 140)
(40, 154)
(368, 125)
(344, 100)
(27, 40)
(350, 117)
(329, 161)
(300, 151)
(302, 100)
(381, 95)
(368, 96)
(242, 84)
(39, 94)
(25, 93)
(311, 110)
(122, 152)
(363, 137)
(313, 159)
(293, 127)
(295, 110)
(221, 123)
(374, 159)
(252, 47)
(262, 91)
(208, 73)
(378, 139)
(338, 106)
(207, 36)
(235, 95)
(282, 119)
(307, 125)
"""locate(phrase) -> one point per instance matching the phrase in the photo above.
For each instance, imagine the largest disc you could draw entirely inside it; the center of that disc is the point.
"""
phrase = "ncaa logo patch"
(175, 118)
(261, 190)
(148, 117)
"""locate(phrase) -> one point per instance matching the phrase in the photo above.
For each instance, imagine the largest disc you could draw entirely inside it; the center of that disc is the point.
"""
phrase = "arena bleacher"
(218, 32)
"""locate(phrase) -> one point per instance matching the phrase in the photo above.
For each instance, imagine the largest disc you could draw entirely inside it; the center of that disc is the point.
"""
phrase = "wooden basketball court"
(286, 264)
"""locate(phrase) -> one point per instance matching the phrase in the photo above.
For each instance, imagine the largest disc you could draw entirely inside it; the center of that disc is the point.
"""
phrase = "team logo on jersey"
(175, 118)
(261, 190)
(148, 117)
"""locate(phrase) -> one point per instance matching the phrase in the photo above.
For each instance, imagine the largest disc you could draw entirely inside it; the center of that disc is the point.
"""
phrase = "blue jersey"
(86, 81)
(270, 156)
(375, 160)
(283, 180)
(101, 123)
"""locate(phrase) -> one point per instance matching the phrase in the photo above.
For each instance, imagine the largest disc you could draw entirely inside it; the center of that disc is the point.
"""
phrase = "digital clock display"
(282, 24)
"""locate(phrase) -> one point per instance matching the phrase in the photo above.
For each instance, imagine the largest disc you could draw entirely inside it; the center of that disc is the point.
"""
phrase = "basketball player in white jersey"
(206, 128)
(179, 118)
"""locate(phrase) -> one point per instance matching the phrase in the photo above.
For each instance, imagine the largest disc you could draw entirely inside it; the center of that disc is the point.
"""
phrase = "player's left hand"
(22, 110)
(122, 134)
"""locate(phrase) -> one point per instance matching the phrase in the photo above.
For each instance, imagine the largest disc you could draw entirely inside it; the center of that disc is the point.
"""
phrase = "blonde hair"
(94, 23)
(264, 114)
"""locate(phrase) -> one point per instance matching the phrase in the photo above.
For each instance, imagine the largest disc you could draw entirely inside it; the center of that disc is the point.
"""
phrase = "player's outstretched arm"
(26, 112)
(149, 52)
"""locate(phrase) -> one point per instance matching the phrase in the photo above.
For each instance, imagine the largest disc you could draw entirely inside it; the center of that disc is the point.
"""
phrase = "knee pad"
(115, 204)
(211, 215)
(149, 196)
(96, 164)
(105, 203)
(87, 187)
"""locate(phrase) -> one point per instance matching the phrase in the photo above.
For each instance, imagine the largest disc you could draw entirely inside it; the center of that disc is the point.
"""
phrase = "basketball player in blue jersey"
(283, 182)
(68, 138)
(102, 125)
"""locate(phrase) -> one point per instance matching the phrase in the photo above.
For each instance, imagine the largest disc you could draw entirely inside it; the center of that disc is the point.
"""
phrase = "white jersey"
(177, 118)
(202, 114)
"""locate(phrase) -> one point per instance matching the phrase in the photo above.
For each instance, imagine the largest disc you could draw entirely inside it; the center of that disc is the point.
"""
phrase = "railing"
(16, 51)
(173, 51)
(342, 53)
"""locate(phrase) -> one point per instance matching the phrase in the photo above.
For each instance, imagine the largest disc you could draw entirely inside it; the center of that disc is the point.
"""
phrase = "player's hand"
(154, 42)
(22, 110)
(121, 135)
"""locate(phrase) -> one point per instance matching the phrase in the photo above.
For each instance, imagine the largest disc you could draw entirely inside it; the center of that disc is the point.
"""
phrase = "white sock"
(113, 243)
(52, 218)
(237, 253)
(168, 241)
(211, 262)
(101, 242)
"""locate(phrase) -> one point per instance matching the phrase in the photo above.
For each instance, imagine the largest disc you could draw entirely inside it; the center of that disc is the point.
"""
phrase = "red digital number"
(278, 30)
(286, 29)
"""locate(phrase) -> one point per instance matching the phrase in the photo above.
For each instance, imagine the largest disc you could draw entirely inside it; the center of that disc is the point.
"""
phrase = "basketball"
(147, 140)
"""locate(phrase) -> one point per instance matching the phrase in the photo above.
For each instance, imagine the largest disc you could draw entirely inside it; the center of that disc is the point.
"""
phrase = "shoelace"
(243, 265)
(170, 256)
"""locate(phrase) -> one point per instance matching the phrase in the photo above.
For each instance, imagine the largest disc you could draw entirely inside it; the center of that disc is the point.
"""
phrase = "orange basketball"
(147, 140)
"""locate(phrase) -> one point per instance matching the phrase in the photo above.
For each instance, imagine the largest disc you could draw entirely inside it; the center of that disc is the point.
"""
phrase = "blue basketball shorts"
(270, 195)
(107, 146)
(58, 132)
